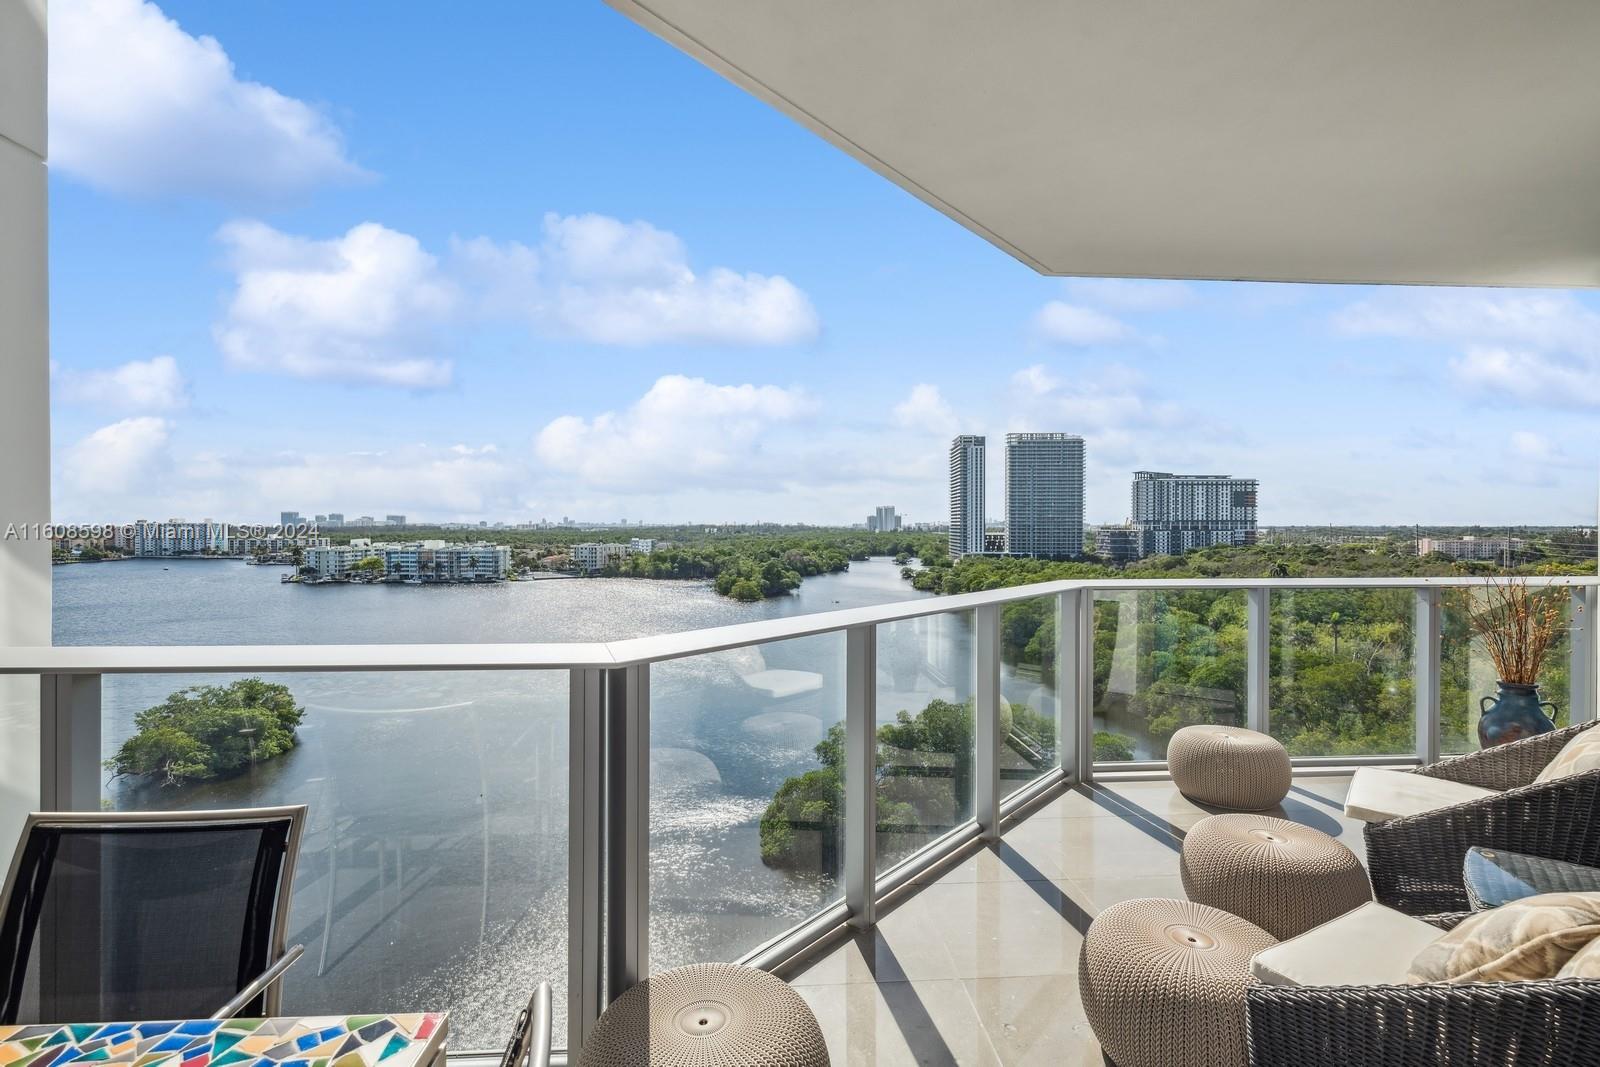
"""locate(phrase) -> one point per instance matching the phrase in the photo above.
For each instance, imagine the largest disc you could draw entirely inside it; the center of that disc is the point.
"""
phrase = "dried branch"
(1518, 626)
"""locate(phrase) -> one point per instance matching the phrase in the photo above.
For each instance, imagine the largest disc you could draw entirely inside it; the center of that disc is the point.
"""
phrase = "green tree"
(368, 567)
(210, 731)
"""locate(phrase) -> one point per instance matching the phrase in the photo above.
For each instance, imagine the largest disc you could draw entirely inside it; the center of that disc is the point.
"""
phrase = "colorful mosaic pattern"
(325, 1041)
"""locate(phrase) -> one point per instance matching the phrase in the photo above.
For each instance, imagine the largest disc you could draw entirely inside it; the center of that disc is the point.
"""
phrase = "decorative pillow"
(1586, 964)
(1580, 754)
(1524, 940)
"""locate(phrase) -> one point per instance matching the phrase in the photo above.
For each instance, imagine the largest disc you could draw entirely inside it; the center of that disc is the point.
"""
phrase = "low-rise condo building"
(416, 562)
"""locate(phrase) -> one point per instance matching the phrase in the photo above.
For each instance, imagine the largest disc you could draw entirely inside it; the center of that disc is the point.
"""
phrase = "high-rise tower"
(1044, 495)
(968, 453)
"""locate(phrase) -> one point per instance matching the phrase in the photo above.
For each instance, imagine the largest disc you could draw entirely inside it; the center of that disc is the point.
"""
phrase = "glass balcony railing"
(1342, 672)
(483, 817)
(436, 830)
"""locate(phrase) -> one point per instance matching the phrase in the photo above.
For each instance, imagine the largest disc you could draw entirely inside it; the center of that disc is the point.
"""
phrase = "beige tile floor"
(979, 965)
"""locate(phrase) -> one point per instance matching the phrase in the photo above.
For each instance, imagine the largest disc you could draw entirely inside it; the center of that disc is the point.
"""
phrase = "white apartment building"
(250, 546)
(420, 562)
(884, 520)
(1494, 549)
(968, 455)
(1180, 512)
(593, 556)
(1044, 495)
(175, 538)
(642, 545)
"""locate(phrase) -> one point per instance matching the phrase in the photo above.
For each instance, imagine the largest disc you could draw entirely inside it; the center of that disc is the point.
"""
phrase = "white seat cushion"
(1372, 945)
(1378, 794)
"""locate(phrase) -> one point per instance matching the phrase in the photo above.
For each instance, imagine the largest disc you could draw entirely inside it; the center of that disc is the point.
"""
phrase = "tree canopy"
(210, 731)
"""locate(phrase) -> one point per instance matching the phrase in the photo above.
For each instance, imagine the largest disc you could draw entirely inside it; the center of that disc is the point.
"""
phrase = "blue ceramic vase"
(1516, 713)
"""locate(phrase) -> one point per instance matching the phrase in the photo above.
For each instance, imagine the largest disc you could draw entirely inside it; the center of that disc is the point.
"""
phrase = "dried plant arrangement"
(1519, 625)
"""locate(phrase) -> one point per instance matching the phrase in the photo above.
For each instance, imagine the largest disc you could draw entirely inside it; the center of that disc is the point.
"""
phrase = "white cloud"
(1534, 377)
(140, 385)
(925, 410)
(367, 306)
(138, 106)
(1540, 348)
(441, 483)
(688, 430)
(363, 307)
(603, 280)
(1130, 294)
(1074, 324)
(115, 457)
(135, 468)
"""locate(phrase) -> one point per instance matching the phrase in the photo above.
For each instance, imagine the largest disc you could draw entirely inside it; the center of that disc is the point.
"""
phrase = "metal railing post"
(986, 722)
(1425, 667)
(585, 854)
(627, 821)
(1075, 681)
(861, 775)
(69, 742)
(1258, 660)
(1585, 671)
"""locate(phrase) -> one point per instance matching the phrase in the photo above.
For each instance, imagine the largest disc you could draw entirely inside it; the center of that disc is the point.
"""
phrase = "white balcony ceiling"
(1428, 141)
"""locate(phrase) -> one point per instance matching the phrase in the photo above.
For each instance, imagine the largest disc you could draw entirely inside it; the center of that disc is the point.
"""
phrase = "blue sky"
(528, 261)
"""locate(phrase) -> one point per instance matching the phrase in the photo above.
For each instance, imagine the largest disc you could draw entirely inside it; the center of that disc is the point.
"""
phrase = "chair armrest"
(1480, 1025)
(540, 1026)
(260, 984)
(1416, 862)
(1505, 766)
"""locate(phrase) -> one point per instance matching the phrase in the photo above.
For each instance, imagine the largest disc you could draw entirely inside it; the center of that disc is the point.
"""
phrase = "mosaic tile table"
(322, 1041)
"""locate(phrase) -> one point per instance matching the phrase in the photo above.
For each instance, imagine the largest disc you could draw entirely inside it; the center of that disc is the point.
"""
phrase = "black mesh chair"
(165, 915)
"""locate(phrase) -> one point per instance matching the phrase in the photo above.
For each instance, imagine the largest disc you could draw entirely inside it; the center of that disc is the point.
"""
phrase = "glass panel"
(746, 796)
(1165, 659)
(925, 731)
(1341, 674)
(433, 869)
(1028, 721)
(1467, 675)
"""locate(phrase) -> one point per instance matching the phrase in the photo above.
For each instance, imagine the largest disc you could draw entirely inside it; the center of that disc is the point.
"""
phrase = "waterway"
(434, 867)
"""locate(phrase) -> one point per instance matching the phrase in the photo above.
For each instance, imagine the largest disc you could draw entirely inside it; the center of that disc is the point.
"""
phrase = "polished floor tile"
(1035, 1022)
(899, 1024)
(979, 963)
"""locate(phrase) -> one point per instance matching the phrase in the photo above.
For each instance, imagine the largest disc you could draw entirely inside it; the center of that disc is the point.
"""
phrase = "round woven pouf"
(1163, 983)
(707, 1015)
(1228, 767)
(1282, 876)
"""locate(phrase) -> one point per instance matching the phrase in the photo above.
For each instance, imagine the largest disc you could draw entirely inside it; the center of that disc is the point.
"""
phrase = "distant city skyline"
(615, 284)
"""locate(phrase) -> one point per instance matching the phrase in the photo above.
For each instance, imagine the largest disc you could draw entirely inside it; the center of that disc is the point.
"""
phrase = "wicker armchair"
(1416, 862)
(1530, 1024)
(1538, 1024)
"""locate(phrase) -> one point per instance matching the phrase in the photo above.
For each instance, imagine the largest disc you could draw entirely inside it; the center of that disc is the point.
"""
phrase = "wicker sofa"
(1416, 862)
(1552, 1023)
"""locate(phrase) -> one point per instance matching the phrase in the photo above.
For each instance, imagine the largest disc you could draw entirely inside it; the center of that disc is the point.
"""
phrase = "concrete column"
(24, 397)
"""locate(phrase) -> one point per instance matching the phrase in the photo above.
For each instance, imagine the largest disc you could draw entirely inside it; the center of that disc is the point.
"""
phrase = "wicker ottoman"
(1163, 983)
(707, 1015)
(1284, 877)
(1228, 767)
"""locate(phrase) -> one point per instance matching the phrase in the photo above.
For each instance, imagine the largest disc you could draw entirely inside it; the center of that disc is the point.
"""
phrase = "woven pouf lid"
(707, 1015)
(1229, 767)
(1284, 877)
(1163, 982)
